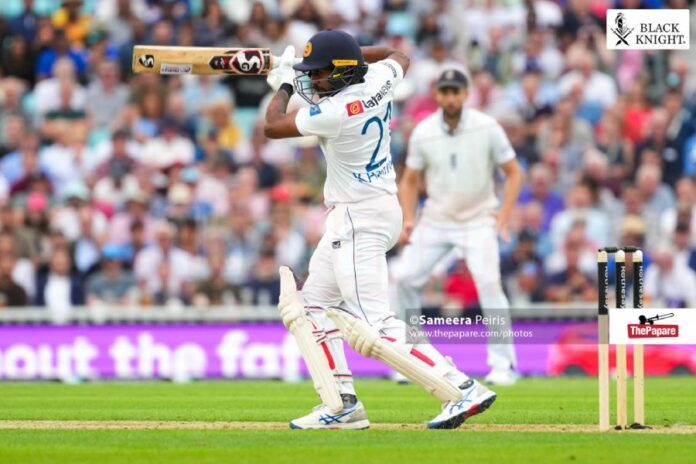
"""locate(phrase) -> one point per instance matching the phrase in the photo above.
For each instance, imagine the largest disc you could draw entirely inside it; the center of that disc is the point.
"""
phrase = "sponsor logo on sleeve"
(355, 107)
(391, 66)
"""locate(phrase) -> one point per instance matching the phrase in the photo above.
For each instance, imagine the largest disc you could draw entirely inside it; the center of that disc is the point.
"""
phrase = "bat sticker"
(147, 61)
(169, 68)
(249, 62)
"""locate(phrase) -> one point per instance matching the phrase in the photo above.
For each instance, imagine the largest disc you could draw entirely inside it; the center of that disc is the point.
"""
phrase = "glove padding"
(283, 73)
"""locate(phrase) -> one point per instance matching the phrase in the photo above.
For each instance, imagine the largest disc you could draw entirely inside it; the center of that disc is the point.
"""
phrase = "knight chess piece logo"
(147, 61)
(651, 320)
(621, 30)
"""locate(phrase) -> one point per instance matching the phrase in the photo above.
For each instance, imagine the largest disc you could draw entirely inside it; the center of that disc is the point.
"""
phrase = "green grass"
(542, 401)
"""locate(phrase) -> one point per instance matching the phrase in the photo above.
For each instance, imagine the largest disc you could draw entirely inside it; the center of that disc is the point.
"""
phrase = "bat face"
(201, 60)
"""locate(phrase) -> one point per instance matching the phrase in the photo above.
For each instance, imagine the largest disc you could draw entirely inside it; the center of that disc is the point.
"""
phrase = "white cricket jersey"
(459, 167)
(353, 131)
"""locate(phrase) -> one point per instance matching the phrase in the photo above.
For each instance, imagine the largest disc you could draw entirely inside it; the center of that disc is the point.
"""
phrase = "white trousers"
(476, 242)
(349, 270)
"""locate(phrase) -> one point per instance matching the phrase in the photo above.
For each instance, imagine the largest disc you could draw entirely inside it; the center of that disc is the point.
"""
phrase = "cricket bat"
(154, 59)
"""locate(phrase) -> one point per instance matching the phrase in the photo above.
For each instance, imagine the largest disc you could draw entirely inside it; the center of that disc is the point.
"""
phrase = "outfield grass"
(532, 401)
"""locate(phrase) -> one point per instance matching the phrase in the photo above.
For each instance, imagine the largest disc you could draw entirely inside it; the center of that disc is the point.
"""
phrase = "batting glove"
(282, 72)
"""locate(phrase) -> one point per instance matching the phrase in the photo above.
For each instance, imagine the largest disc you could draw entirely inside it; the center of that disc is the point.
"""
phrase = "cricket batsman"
(458, 150)
(346, 293)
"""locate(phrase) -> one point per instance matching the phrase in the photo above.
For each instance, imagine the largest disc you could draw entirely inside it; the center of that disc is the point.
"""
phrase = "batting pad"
(293, 312)
(364, 339)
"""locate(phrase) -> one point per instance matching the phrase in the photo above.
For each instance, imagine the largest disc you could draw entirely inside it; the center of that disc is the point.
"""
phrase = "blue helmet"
(336, 51)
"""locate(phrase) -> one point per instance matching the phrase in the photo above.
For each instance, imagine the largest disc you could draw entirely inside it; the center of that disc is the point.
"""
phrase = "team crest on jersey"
(354, 108)
(314, 110)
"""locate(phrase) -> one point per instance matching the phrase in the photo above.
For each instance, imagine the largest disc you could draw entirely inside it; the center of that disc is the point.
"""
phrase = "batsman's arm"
(280, 124)
(374, 54)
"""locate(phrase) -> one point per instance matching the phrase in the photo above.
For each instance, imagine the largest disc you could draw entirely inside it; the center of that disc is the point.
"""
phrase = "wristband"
(288, 88)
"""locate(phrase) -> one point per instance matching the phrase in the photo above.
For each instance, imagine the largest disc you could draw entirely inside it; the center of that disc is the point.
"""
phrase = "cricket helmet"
(336, 51)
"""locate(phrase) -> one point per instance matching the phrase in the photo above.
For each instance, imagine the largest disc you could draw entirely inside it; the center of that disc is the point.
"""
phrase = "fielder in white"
(346, 293)
(458, 150)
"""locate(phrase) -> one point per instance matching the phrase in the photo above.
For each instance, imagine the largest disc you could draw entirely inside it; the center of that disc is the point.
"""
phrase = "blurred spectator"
(25, 241)
(189, 241)
(660, 149)
(595, 91)
(669, 282)
(538, 55)
(425, 71)
(112, 284)
(215, 290)
(228, 132)
(57, 287)
(486, 94)
(11, 294)
(75, 24)
(264, 283)
(637, 113)
(460, 288)
(23, 271)
(106, 96)
(60, 49)
(116, 183)
(580, 208)
(60, 92)
(26, 23)
(655, 196)
(213, 27)
(17, 58)
(201, 92)
(169, 148)
(22, 162)
(540, 189)
(68, 218)
(571, 283)
(522, 270)
(118, 16)
(135, 211)
(162, 269)
(684, 212)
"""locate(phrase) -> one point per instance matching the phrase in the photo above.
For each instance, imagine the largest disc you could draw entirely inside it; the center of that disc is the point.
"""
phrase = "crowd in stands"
(123, 189)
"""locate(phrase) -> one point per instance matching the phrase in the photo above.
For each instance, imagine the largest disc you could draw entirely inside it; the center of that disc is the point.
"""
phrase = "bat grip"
(275, 61)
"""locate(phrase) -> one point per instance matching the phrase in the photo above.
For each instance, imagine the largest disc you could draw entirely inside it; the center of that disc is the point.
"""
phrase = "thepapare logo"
(653, 331)
(621, 30)
(147, 61)
(655, 29)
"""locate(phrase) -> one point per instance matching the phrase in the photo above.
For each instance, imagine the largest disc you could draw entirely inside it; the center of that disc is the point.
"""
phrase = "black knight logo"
(147, 61)
(621, 30)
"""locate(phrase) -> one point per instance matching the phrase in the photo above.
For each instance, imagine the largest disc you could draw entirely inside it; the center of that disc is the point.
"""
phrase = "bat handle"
(275, 61)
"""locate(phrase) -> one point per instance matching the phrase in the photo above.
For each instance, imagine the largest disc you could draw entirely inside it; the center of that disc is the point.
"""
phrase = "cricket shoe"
(352, 417)
(502, 377)
(476, 398)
